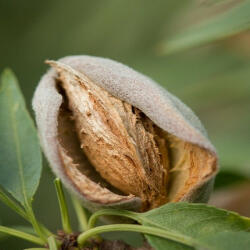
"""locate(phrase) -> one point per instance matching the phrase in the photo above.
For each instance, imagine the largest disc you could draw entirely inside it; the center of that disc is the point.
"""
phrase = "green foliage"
(20, 152)
(63, 206)
(20, 155)
(227, 241)
(213, 80)
(197, 221)
(184, 226)
(225, 24)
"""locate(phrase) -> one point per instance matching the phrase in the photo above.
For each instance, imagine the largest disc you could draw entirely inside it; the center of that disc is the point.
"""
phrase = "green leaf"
(13, 204)
(19, 152)
(182, 226)
(227, 241)
(131, 238)
(193, 221)
(226, 24)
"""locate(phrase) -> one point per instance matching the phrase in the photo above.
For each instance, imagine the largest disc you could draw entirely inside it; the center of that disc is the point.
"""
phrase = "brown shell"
(193, 158)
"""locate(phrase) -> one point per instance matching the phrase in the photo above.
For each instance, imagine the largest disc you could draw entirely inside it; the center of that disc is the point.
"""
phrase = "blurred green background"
(212, 78)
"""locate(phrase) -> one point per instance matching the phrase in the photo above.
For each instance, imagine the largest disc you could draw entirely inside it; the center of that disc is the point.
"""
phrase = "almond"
(117, 139)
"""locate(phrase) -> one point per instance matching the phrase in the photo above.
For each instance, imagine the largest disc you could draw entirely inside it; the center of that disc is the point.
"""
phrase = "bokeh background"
(212, 76)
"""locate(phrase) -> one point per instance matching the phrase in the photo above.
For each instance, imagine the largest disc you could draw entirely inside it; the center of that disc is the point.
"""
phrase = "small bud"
(117, 139)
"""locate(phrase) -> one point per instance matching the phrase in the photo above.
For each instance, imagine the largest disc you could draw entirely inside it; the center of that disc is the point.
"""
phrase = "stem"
(124, 213)
(27, 214)
(22, 235)
(34, 222)
(36, 249)
(45, 230)
(52, 243)
(19, 210)
(12, 204)
(135, 228)
(63, 207)
(80, 213)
